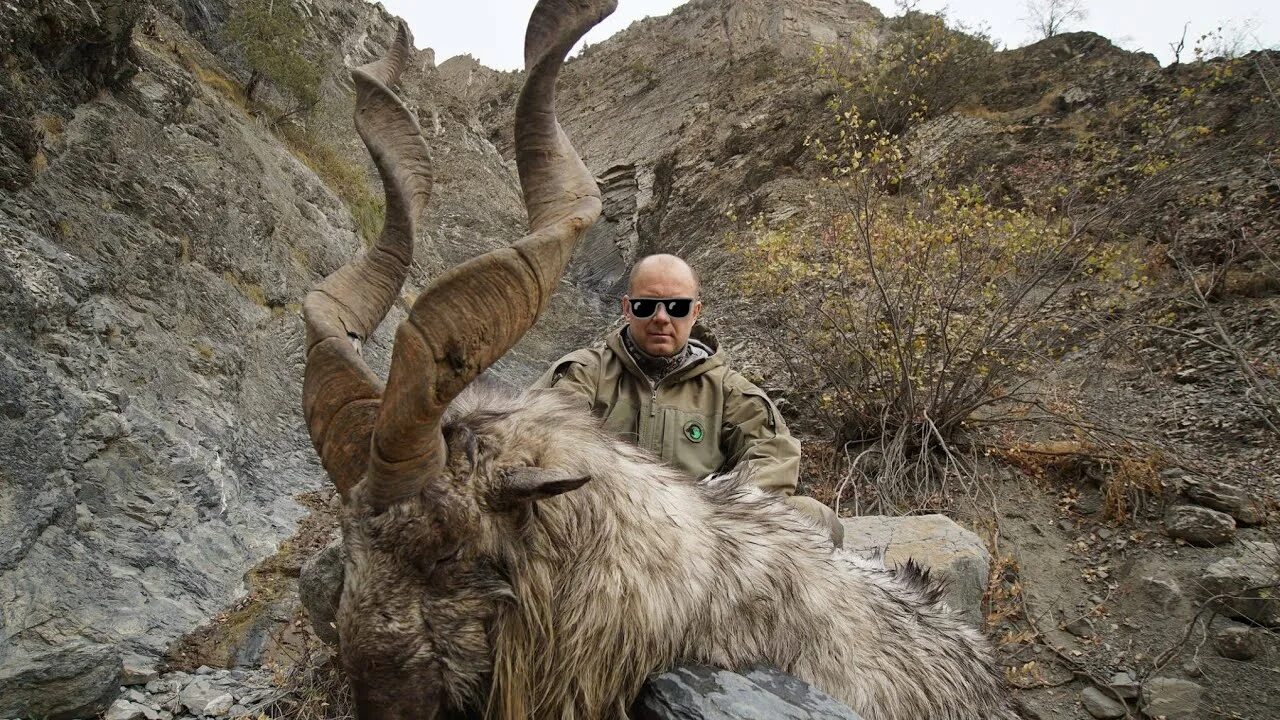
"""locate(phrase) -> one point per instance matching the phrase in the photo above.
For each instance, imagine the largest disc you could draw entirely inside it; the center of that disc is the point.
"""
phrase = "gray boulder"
(123, 709)
(1199, 526)
(137, 671)
(220, 706)
(698, 692)
(73, 682)
(203, 697)
(1172, 698)
(320, 587)
(1164, 591)
(936, 542)
(1234, 582)
(1101, 705)
(1125, 685)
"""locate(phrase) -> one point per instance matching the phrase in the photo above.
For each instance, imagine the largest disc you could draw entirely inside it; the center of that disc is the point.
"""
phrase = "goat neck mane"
(644, 567)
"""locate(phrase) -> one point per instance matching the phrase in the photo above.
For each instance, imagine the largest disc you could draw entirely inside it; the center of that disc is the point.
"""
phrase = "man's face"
(660, 334)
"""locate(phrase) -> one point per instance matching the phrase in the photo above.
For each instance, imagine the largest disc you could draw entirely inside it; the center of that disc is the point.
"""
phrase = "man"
(675, 395)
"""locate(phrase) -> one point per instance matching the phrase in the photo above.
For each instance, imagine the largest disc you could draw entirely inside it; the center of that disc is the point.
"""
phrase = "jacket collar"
(700, 336)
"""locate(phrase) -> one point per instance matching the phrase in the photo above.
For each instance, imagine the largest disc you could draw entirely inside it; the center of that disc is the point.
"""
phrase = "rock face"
(1199, 526)
(936, 542)
(688, 116)
(156, 239)
(57, 55)
(697, 692)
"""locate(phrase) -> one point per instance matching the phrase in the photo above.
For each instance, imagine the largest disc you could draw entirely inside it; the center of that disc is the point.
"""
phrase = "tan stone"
(955, 554)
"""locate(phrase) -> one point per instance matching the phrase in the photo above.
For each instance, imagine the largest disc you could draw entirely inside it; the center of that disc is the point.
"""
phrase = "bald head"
(662, 277)
(665, 269)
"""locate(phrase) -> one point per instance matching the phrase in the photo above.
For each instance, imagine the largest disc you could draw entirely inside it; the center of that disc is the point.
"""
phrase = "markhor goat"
(506, 556)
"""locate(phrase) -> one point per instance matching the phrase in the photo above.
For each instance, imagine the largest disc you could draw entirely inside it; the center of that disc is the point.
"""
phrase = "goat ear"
(523, 485)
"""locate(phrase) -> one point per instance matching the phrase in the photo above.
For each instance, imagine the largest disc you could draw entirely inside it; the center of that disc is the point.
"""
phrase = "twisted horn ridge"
(475, 313)
(341, 395)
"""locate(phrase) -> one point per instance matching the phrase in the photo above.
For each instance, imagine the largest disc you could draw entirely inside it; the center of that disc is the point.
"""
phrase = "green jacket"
(703, 418)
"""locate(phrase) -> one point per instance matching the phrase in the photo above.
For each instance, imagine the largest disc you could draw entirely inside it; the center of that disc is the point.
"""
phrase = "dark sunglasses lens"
(677, 308)
(644, 308)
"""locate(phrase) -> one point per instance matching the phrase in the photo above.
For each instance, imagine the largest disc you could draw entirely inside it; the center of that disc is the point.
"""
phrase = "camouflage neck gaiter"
(655, 368)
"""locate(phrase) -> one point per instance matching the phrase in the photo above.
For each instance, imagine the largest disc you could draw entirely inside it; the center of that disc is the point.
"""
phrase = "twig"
(849, 476)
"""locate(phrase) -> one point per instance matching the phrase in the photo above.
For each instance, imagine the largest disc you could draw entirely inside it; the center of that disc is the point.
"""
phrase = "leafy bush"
(644, 73)
(913, 317)
(272, 36)
(914, 320)
(917, 69)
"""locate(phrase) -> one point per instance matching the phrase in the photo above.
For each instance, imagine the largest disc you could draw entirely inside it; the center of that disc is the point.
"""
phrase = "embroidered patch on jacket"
(693, 431)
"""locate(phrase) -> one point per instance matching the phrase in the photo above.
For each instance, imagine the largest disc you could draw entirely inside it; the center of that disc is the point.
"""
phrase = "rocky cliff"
(158, 233)
(157, 238)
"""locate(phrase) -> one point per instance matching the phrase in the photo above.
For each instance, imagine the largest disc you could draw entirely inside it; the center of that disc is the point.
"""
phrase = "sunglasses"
(676, 307)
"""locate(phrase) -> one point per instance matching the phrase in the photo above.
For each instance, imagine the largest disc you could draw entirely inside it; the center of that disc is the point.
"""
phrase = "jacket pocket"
(690, 442)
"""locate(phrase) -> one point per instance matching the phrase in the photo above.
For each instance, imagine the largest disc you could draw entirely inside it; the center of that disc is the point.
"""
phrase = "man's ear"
(524, 485)
(626, 306)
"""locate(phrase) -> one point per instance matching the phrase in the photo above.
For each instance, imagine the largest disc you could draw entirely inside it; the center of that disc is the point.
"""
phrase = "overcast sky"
(493, 30)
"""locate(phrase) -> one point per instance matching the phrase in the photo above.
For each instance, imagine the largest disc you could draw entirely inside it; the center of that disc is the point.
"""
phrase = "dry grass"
(1046, 105)
(252, 292)
(1132, 481)
(311, 688)
(1129, 475)
(51, 125)
(216, 80)
(347, 179)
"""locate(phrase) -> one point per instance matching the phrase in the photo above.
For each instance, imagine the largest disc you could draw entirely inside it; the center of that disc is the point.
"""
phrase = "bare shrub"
(914, 317)
(916, 322)
(1053, 17)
